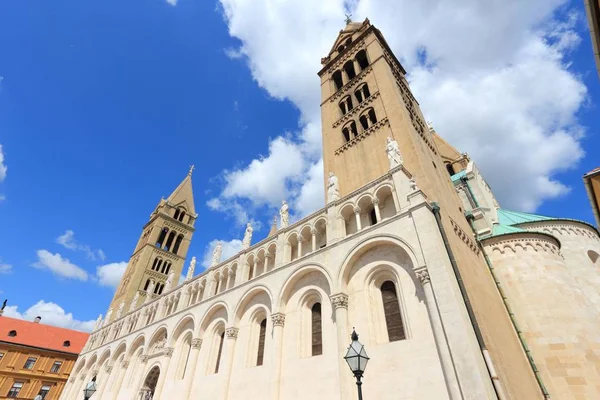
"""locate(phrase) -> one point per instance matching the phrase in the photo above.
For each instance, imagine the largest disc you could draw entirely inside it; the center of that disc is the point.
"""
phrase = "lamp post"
(357, 359)
(90, 389)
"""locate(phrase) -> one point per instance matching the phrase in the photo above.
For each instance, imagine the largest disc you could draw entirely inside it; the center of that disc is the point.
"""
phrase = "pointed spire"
(184, 195)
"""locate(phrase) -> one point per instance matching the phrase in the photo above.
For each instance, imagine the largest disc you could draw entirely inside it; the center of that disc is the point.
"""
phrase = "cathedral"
(452, 296)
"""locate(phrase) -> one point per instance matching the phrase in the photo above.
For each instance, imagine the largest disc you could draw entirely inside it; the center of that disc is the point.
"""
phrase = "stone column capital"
(339, 300)
(423, 276)
(357, 210)
(232, 333)
(72, 379)
(144, 358)
(375, 200)
(278, 319)
(196, 343)
(82, 377)
(168, 351)
(301, 239)
(108, 368)
(314, 231)
(125, 364)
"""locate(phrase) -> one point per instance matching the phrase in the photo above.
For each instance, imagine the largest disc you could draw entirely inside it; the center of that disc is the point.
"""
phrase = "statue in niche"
(134, 302)
(284, 214)
(192, 267)
(170, 280)
(120, 309)
(393, 153)
(247, 236)
(216, 257)
(333, 188)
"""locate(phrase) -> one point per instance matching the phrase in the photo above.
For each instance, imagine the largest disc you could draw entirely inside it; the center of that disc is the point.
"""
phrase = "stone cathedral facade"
(453, 296)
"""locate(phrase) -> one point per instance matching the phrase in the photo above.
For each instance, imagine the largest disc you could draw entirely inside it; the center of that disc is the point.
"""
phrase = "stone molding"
(278, 319)
(196, 343)
(423, 275)
(465, 237)
(526, 244)
(339, 300)
(232, 333)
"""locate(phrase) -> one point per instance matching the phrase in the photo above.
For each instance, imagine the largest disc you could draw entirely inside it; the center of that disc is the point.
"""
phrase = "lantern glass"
(356, 356)
(90, 388)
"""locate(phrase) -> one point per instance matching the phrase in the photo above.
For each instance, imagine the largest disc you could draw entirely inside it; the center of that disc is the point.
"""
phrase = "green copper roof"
(499, 230)
(506, 217)
(457, 177)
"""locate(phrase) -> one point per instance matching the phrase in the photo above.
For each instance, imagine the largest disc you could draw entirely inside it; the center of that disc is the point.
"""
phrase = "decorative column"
(439, 335)
(356, 66)
(339, 301)
(137, 383)
(357, 215)
(68, 388)
(121, 372)
(168, 353)
(314, 232)
(266, 262)
(231, 281)
(278, 321)
(186, 295)
(103, 380)
(300, 241)
(191, 368)
(255, 270)
(287, 252)
(377, 210)
(231, 334)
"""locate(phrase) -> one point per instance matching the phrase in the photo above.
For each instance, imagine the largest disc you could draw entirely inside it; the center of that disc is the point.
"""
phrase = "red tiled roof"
(41, 335)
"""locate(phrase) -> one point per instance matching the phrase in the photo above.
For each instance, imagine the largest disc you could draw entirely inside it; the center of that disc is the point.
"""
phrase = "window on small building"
(349, 68)
(30, 363)
(1, 356)
(12, 333)
(67, 343)
(14, 390)
(221, 339)
(316, 330)
(361, 57)
(44, 391)
(56, 367)
(261, 342)
(391, 309)
(337, 80)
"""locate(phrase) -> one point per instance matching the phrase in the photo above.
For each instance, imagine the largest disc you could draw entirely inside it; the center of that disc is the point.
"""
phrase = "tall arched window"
(364, 121)
(161, 237)
(361, 57)
(154, 264)
(177, 243)
(372, 116)
(349, 68)
(346, 105)
(391, 309)
(147, 284)
(316, 330)
(160, 262)
(176, 215)
(170, 241)
(449, 168)
(184, 357)
(181, 216)
(337, 80)
(221, 339)
(251, 271)
(168, 268)
(362, 93)
(349, 131)
(261, 342)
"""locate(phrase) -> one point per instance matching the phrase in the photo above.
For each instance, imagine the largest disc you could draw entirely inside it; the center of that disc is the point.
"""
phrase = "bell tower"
(160, 251)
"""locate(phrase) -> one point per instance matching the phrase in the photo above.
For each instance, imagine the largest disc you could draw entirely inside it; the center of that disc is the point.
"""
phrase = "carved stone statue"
(4, 304)
(150, 291)
(393, 153)
(191, 268)
(284, 214)
(120, 309)
(98, 322)
(247, 236)
(333, 188)
(170, 280)
(108, 315)
(216, 257)
(413, 184)
(134, 302)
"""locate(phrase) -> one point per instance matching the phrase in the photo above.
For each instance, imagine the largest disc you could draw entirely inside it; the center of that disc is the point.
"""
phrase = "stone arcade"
(411, 248)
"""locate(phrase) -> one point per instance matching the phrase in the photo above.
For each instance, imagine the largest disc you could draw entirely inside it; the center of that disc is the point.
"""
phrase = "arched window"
(170, 241)
(391, 309)
(373, 216)
(147, 284)
(160, 262)
(361, 57)
(161, 237)
(184, 357)
(449, 168)
(181, 216)
(316, 330)
(349, 68)
(251, 271)
(221, 339)
(346, 133)
(168, 268)
(177, 243)
(176, 216)
(372, 116)
(349, 131)
(261, 342)
(337, 80)
(364, 121)
(346, 105)
(343, 107)
(154, 264)
(365, 91)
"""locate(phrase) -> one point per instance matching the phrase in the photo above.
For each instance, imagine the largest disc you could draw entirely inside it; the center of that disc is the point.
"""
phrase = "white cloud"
(172, 2)
(110, 274)
(52, 314)
(230, 249)
(59, 266)
(68, 241)
(494, 80)
(3, 167)
(5, 268)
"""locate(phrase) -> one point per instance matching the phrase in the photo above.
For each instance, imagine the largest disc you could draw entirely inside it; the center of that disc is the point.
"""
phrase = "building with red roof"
(36, 359)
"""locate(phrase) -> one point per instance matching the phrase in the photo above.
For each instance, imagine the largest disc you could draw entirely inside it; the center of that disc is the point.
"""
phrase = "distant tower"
(161, 249)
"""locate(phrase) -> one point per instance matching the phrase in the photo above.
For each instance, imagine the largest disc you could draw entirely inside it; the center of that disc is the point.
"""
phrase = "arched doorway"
(149, 386)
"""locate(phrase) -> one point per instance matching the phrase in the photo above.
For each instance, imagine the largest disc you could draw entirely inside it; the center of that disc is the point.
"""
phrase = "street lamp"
(357, 359)
(90, 389)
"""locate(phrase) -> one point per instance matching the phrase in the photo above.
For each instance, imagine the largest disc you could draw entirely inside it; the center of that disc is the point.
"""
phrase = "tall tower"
(365, 98)
(161, 249)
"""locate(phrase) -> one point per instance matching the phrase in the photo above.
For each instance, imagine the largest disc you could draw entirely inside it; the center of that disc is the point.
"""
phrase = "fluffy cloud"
(68, 241)
(52, 314)
(5, 268)
(110, 274)
(59, 266)
(505, 94)
(230, 248)
(3, 167)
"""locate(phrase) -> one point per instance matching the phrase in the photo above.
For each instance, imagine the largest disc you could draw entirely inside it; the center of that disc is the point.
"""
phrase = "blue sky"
(104, 105)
